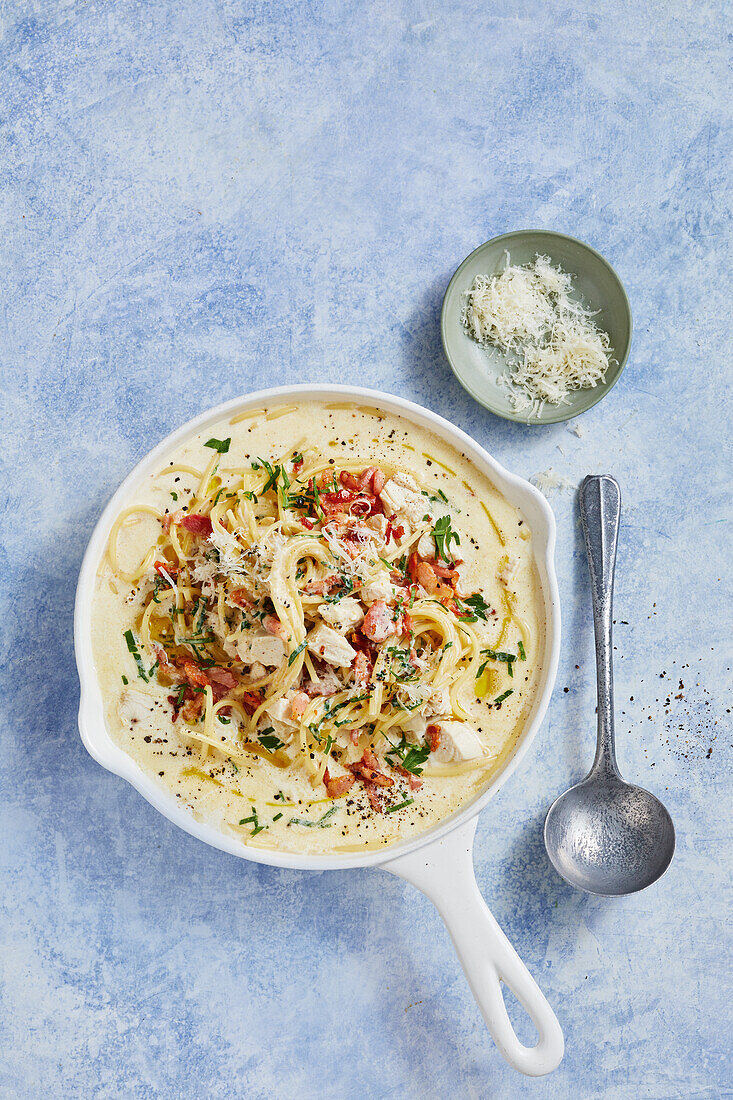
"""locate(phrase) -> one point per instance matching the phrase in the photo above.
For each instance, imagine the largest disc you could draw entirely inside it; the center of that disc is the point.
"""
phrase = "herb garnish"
(443, 535)
(411, 757)
(252, 819)
(479, 608)
(220, 445)
(522, 654)
(270, 740)
(320, 824)
(500, 698)
(497, 655)
(132, 647)
(296, 652)
(400, 806)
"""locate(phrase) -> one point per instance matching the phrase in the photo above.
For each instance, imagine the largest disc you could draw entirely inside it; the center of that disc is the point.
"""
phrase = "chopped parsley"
(400, 806)
(220, 445)
(443, 536)
(270, 740)
(410, 757)
(522, 654)
(500, 698)
(479, 609)
(277, 816)
(252, 820)
(320, 824)
(125, 680)
(296, 652)
(132, 647)
(174, 495)
(273, 473)
(497, 655)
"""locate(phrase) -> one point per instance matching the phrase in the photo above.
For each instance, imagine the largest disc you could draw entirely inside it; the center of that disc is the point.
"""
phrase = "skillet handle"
(443, 871)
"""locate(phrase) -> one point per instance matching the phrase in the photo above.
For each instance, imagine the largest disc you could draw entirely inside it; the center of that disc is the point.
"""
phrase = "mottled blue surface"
(199, 198)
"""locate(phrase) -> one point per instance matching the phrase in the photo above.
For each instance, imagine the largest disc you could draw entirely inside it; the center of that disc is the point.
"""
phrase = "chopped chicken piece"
(265, 649)
(328, 644)
(439, 704)
(378, 524)
(138, 709)
(343, 615)
(402, 496)
(458, 742)
(282, 711)
(285, 731)
(426, 545)
(379, 588)
(414, 728)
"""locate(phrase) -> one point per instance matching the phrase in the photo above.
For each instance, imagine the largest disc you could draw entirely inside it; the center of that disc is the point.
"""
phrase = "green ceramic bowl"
(478, 369)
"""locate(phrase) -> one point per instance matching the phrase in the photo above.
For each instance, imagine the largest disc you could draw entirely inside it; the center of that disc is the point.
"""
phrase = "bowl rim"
(91, 719)
(562, 414)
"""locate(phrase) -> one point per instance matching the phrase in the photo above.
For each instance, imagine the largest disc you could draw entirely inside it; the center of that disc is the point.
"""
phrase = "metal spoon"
(604, 835)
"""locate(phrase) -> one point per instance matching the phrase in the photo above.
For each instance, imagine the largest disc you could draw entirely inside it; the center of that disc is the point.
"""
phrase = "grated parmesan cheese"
(552, 341)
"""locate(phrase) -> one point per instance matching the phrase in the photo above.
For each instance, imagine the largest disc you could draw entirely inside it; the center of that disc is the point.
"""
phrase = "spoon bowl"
(609, 837)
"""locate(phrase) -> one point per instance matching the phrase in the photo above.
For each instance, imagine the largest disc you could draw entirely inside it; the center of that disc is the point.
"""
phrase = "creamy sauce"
(280, 808)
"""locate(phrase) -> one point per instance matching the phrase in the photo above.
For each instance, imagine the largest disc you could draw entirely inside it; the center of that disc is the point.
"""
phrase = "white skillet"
(439, 861)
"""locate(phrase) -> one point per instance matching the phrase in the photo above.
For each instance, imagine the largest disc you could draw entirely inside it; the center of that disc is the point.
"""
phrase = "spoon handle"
(600, 509)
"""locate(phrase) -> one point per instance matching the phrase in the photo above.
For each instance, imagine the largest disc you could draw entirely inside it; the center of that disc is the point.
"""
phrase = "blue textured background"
(199, 198)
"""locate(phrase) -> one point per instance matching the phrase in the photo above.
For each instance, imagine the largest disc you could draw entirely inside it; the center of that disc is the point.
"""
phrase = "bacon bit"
(298, 465)
(307, 523)
(374, 797)
(164, 663)
(338, 785)
(350, 481)
(250, 701)
(298, 705)
(378, 481)
(426, 576)
(451, 575)
(378, 622)
(358, 537)
(332, 501)
(444, 592)
(393, 530)
(362, 668)
(166, 521)
(354, 737)
(222, 681)
(241, 597)
(406, 624)
(370, 759)
(433, 736)
(319, 687)
(195, 675)
(412, 564)
(412, 780)
(192, 706)
(323, 587)
(168, 566)
(273, 625)
(368, 770)
(196, 523)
